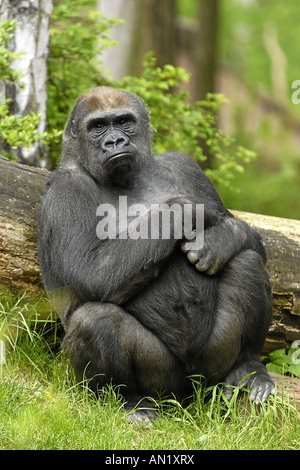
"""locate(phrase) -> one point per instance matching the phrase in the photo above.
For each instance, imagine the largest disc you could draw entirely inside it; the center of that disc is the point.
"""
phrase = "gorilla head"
(108, 134)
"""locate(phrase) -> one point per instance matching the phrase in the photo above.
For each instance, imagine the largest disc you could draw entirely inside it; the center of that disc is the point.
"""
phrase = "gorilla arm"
(224, 236)
(221, 243)
(71, 254)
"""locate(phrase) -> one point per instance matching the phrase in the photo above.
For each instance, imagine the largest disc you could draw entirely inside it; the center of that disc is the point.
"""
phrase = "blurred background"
(247, 50)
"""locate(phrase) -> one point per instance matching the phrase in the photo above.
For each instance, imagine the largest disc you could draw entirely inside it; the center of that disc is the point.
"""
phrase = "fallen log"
(288, 388)
(21, 190)
(282, 242)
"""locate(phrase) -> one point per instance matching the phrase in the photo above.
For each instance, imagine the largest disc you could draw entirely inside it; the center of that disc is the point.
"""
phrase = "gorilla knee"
(91, 342)
(106, 344)
(245, 273)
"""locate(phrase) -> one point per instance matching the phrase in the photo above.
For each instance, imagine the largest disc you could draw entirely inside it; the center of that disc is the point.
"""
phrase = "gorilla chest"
(146, 192)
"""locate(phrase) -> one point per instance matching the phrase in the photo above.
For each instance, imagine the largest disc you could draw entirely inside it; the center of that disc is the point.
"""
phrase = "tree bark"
(31, 38)
(121, 59)
(206, 59)
(282, 242)
(158, 30)
(208, 14)
(21, 190)
(149, 26)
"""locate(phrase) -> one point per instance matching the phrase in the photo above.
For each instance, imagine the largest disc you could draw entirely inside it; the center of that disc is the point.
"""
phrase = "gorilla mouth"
(119, 158)
(121, 163)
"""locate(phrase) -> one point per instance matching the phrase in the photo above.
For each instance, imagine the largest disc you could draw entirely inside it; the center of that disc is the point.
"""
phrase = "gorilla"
(144, 313)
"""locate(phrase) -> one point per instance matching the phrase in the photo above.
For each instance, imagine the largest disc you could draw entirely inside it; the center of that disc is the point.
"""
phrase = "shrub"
(179, 124)
(77, 39)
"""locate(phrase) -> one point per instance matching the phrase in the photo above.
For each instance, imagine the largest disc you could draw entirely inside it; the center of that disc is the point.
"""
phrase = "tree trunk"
(158, 30)
(282, 242)
(31, 38)
(121, 59)
(208, 13)
(149, 26)
(21, 190)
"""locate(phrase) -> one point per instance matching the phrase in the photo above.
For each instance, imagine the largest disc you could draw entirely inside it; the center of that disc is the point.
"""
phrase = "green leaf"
(295, 369)
(276, 368)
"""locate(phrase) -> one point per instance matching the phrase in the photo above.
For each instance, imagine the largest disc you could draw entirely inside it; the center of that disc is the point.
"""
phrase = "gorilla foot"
(142, 417)
(253, 375)
(140, 411)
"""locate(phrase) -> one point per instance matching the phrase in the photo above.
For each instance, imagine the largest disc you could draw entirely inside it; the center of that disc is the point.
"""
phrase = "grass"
(42, 407)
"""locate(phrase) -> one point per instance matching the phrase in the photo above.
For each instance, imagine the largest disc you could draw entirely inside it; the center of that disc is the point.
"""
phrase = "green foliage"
(244, 25)
(21, 131)
(285, 363)
(254, 121)
(6, 57)
(179, 124)
(18, 131)
(77, 39)
(78, 36)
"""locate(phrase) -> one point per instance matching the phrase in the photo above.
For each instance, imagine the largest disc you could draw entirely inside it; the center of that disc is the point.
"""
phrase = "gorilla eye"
(123, 122)
(97, 126)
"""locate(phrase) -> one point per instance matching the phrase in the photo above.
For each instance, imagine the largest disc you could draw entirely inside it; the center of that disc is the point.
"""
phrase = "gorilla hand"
(211, 257)
(221, 243)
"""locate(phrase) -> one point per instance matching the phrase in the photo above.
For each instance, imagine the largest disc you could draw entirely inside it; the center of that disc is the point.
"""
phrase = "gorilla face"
(112, 132)
(113, 139)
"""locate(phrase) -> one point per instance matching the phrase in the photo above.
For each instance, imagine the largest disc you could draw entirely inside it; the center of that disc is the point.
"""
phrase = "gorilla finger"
(204, 263)
(214, 268)
(202, 266)
(257, 394)
(270, 391)
(253, 392)
(193, 256)
(186, 245)
(261, 392)
(211, 271)
(227, 391)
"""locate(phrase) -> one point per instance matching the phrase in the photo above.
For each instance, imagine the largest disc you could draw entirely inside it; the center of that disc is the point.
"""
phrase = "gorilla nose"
(114, 141)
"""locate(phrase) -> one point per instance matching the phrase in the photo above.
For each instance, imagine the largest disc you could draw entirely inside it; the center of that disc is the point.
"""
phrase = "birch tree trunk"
(32, 38)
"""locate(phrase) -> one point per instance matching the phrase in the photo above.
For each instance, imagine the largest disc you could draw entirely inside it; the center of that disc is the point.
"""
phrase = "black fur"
(147, 313)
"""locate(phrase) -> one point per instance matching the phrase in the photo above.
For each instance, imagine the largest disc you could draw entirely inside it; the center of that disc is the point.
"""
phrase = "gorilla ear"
(72, 125)
(73, 128)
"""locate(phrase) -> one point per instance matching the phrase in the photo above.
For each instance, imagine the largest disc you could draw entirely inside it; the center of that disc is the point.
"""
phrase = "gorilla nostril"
(112, 142)
(121, 141)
